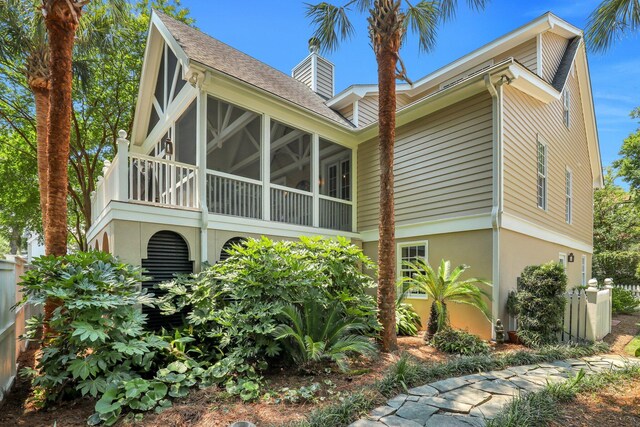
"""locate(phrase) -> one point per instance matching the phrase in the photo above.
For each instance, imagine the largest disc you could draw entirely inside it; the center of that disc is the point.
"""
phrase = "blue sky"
(277, 31)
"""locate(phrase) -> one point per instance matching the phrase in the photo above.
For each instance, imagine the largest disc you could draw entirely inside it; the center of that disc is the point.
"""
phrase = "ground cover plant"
(455, 341)
(541, 303)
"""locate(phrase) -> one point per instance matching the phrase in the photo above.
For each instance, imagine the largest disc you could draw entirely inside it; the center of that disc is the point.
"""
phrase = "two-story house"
(496, 159)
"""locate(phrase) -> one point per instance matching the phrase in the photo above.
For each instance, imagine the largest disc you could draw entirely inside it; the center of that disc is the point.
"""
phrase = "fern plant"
(314, 334)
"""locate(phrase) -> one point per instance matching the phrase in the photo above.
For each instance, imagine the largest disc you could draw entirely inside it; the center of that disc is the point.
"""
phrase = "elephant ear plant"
(446, 286)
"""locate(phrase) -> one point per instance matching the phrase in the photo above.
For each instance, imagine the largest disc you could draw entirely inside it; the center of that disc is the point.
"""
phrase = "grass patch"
(539, 408)
(409, 372)
(633, 345)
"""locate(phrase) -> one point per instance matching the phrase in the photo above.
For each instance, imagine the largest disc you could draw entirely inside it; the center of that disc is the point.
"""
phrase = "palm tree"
(610, 20)
(388, 26)
(443, 287)
(24, 50)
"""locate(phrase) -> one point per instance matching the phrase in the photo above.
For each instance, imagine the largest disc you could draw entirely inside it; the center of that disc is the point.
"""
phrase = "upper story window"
(335, 170)
(409, 253)
(542, 174)
(566, 107)
(568, 205)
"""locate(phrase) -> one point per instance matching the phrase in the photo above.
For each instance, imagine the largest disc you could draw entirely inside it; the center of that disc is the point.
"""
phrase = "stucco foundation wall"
(470, 247)
(518, 251)
(130, 238)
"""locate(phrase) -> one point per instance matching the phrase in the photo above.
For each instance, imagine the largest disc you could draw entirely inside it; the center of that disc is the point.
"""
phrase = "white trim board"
(519, 225)
(448, 225)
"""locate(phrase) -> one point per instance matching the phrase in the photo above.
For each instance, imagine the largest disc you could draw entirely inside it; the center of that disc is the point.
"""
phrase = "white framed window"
(566, 107)
(562, 259)
(542, 174)
(583, 270)
(568, 199)
(411, 252)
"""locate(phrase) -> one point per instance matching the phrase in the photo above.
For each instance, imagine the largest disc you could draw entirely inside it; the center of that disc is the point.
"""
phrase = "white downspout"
(496, 211)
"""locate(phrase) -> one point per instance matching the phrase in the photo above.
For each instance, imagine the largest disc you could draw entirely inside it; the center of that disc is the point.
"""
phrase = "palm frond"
(610, 21)
(422, 20)
(331, 23)
(448, 8)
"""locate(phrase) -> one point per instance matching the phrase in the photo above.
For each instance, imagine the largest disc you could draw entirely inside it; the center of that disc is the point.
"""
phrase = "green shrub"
(234, 307)
(407, 320)
(620, 266)
(541, 303)
(99, 334)
(314, 334)
(455, 341)
(623, 301)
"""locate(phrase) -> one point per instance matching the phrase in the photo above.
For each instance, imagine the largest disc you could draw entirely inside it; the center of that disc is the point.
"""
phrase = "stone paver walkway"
(469, 400)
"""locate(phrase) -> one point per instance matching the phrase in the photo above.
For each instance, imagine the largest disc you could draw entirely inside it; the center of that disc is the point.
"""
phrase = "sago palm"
(389, 23)
(611, 20)
(443, 287)
(315, 334)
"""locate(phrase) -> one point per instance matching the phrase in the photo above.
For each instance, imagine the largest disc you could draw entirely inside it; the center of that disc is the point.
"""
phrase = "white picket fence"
(634, 289)
(12, 322)
(587, 315)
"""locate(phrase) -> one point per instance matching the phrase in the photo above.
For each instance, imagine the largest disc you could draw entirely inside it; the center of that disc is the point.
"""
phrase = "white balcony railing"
(335, 214)
(291, 205)
(234, 195)
(162, 182)
(132, 177)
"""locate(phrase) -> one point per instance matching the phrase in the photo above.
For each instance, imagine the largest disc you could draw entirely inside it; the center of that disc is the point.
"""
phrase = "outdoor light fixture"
(571, 258)
(168, 147)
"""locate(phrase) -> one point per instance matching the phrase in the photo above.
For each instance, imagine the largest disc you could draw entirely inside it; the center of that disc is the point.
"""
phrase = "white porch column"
(122, 166)
(315, 178)
(201, 163)
(266, 167)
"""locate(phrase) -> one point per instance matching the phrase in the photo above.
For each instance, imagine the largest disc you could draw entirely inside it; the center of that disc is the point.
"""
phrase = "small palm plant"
(313, 334)
(445, 286)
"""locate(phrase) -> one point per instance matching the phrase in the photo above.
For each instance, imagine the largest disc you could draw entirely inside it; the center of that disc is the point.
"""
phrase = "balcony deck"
(145, 180)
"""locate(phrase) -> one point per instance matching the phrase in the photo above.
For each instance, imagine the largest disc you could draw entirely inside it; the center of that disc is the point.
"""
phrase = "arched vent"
(224, 254)
(167, 255)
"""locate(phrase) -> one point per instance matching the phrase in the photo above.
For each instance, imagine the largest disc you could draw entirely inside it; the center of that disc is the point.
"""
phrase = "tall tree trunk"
(61, 19)
(41, 93)
(15, 242)
(387, 45)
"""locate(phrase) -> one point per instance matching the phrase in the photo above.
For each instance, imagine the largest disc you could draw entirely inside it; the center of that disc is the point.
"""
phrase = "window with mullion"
(568, 196)
(542, 175)
(410, 253)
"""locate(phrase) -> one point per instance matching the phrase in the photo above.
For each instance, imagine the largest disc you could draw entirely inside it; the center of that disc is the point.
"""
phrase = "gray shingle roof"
(564, 68)
(221, 57)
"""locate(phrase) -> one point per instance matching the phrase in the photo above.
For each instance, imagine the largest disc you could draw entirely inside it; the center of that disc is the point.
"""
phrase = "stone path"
(469, 400)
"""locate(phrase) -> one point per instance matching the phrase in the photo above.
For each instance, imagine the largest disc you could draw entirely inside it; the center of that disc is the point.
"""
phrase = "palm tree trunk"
(387, 57)
(41, 94)
(61, 19)
(61, 27)
(432, 324)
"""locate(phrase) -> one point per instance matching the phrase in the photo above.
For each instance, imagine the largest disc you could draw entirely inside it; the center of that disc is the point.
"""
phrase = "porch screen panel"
(233, 139)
